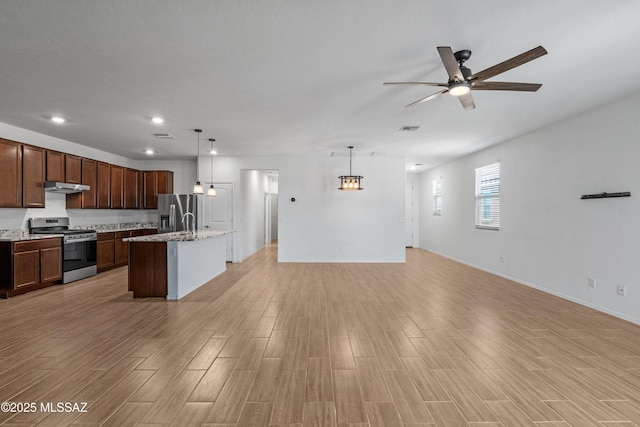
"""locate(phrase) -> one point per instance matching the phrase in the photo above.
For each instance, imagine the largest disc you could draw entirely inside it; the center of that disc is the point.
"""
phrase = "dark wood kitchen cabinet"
(154, 183)
(165, 182)
(72, 169)
(10, 174)
(121, 248)
(33, 176)
(86, 199)
(55, 166)
(113, 251)
(105, 251)
(117, 187)
(131, 189)
(149, 190)
(103, 186)
(29, 265)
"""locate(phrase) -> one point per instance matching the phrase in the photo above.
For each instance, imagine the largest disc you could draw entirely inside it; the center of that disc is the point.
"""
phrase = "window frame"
(487, 197)
(437, 196)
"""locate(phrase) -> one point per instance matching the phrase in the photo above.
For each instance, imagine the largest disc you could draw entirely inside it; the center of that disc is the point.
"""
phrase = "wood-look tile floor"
(426, 343)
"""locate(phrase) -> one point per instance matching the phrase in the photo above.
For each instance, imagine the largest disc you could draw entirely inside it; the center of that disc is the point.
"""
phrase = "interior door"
(218, 213)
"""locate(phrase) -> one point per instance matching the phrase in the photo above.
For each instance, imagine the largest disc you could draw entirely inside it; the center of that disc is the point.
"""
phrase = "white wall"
(55, 204)
(325, 224)
(550, 239)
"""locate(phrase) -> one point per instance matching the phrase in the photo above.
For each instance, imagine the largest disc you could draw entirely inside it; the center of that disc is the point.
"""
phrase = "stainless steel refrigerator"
(177, 212)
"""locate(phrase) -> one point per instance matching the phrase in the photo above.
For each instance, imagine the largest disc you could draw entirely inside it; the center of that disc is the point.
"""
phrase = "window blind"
(488, 196)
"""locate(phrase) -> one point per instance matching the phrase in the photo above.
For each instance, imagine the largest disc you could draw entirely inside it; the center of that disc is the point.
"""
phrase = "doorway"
(270, 218)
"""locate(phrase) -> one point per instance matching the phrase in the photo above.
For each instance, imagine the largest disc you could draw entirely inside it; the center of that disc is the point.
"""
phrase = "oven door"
(79, 260)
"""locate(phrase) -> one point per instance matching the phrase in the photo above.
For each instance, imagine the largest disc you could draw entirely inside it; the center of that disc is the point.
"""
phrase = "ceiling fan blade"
(521, 87)
(516, 61)
(415, 84)
(427, 98)
(467, 101)
(450, 63)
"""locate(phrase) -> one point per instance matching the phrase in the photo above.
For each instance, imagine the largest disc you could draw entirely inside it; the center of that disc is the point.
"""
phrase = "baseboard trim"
(543, 289)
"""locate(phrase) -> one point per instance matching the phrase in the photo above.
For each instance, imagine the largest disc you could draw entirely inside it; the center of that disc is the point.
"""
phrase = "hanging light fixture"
(350, 182)
(211, 192)
(197, 188)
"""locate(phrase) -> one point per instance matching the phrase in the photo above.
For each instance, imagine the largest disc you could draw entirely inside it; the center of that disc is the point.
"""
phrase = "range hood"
(64, 187)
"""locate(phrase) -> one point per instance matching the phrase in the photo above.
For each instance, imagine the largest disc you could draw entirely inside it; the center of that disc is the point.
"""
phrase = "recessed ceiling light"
(213, 152)
(149, 151)
(57, 119)
(157, 120)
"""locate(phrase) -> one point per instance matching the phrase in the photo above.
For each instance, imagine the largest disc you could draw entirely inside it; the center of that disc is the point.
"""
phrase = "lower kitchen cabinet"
(122, 248)
(29, 265)
(113, 251)
(105, 251)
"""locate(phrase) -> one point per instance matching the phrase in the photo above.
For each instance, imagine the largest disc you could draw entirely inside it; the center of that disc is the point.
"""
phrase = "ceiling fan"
(462, 81)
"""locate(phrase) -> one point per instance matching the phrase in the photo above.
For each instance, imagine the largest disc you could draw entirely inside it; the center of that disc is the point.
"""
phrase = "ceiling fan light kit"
(462, 81)
(459, 89)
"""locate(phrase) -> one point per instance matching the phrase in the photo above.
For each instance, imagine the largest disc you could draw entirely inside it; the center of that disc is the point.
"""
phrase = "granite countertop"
(20, 235)
(110, 228)
(179, 236)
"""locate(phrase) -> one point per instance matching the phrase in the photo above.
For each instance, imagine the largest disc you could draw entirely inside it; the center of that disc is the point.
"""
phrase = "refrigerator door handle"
(172, 217)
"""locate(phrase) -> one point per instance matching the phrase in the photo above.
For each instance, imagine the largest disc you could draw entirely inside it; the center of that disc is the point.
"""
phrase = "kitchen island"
(171, 265)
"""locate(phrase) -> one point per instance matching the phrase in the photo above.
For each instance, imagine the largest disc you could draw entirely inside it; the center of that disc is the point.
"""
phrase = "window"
(488, 197)
(437, 196)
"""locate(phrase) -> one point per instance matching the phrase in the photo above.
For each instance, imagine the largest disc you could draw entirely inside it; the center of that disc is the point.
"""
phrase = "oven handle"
(88, 239)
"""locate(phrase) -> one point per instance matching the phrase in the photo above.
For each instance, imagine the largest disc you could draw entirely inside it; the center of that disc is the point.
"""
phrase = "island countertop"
(179, 236)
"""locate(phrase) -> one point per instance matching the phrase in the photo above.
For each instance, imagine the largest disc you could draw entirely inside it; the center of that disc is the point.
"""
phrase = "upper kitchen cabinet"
(154, 183)
(165, 182)
(33, 174)
(63, 167)
(86, 199)
(149, 190)
(131, 189)
(55, 166)
(73, 168)
(117, 187)
(103, 196)
(10, 174)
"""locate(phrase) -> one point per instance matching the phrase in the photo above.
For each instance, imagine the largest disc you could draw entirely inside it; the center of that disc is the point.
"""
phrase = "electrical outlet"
(592, 282)
(502, 259)
(622, 290)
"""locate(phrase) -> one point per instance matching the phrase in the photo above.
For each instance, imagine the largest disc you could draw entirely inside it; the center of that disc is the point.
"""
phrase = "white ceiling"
(303, 77)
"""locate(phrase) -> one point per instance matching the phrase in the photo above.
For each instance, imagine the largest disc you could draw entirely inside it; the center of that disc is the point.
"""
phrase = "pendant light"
(211, 192)
(197, 188)
(350, 182)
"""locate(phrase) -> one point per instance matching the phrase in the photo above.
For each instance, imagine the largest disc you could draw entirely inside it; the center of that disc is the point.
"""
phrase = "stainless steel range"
(78, 246)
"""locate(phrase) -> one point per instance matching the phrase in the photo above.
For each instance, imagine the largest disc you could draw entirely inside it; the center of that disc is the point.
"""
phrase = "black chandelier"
(350, 182)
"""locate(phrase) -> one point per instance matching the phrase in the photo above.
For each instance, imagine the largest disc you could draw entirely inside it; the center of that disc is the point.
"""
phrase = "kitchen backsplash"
(55, 205)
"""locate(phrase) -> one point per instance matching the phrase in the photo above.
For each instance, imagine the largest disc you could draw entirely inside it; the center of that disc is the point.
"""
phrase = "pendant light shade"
(211, 192)
(350, 182)
(197, 188)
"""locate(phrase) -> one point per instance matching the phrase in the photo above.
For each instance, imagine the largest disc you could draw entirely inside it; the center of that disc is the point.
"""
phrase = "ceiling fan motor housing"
(466, 72)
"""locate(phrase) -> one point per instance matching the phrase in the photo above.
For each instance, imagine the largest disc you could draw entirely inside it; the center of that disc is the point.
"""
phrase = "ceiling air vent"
(164, 136)
(409, 128)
